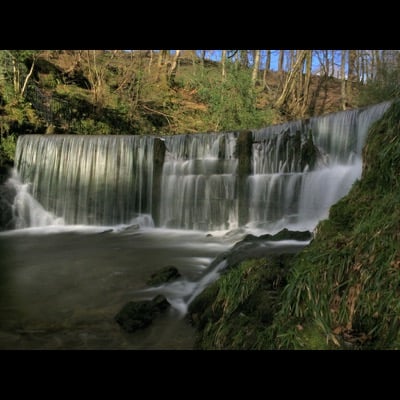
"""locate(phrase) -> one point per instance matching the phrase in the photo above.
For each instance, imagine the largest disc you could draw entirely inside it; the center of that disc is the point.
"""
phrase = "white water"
(281, 193)
(198, 182)
(92, 180)
(108, 180)
(96, 184)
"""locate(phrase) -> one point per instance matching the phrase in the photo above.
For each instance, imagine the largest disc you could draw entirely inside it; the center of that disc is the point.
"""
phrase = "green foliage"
(13, 71)
(90, 127)
(385, 87)
(18, 116)
(232, 102)
(7, 148)
(343, 289)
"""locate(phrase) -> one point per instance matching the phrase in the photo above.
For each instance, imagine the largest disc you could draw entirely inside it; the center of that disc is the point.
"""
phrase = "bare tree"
(290, 81)
(173, 68)
(267, 67)
(343, 78)
(256, 67)
(280, 60)
(307, 81)
(223, 64)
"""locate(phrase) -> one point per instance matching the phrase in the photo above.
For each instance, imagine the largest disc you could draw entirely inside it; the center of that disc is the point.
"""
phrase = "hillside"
(117, 92)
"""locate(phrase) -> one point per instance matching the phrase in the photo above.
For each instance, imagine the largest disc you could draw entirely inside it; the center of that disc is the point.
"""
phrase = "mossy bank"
(342, 291)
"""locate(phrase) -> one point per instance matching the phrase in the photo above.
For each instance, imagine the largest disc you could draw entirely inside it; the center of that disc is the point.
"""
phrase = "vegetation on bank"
(345, 285)
(232, 313)
(342, 290)
(181, 91)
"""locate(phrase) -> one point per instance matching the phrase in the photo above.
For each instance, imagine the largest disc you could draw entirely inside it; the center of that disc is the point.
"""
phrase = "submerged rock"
(164, 275)
(136, 315)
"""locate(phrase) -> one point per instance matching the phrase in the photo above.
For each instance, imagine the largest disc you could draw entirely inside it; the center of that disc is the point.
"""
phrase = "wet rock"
(7, 195)
(136, 315)
(284, 234)
(164, 275)
(261, 246)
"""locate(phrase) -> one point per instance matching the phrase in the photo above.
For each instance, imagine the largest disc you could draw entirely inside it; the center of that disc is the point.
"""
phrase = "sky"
(216, 56)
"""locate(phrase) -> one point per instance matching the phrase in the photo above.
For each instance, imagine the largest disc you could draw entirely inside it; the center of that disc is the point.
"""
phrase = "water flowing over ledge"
(295, 172)
(98, 199)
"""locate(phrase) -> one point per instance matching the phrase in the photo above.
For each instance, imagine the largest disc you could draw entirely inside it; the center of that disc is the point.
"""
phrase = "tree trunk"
(244, 58)
(223, 64)
(351, 73)
(280, 60)
(307, 82)
(256, 67)
(291, 80)
(267, 67)
(16, 73)
(173, 69)
(343, 79)
(27, 78)
(150, 61)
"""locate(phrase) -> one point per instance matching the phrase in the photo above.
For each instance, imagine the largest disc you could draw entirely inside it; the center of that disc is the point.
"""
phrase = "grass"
(234, 312)
(342, 291)
(347, 282)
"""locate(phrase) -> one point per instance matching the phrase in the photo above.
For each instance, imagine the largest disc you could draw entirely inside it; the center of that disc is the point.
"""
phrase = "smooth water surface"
(60, 287)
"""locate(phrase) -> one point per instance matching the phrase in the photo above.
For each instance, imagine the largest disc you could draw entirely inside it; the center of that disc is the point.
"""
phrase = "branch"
(158, 112)
(27, 78)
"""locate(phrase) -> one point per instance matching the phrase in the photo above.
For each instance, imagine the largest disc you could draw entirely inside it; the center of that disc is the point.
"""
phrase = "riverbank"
(341, 291)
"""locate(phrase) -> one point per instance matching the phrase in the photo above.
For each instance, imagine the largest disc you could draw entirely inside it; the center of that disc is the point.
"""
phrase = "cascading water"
(96, 180)
(198, 182)
(110, 180)
(286, 191)
(83, 191)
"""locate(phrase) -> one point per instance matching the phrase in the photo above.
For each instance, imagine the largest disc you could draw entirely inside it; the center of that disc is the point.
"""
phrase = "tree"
(290, 81)
(16, 69)
(256, 67)
(280, 60)
(267, 67)
(172, 70)
(223, 64)
(343, 78)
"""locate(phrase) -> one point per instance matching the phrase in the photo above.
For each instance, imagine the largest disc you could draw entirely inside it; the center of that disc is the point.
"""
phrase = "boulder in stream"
(136, 315)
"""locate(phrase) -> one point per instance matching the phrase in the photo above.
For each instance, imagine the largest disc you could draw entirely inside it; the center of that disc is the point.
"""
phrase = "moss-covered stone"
(243, 152)
(138, 315)
(158, 161)
(164, 275)
(309, 152)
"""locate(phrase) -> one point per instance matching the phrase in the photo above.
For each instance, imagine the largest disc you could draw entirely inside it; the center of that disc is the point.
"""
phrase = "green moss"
(344, 288)
(236, 310)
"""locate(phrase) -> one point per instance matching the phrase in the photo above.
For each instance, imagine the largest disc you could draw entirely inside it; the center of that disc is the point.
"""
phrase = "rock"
(164, 275)
(7, 195)
(260, 246)
(140, 314)
(286, 234)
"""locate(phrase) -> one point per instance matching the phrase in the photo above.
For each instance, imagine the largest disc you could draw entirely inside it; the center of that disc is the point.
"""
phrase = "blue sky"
(216, 55)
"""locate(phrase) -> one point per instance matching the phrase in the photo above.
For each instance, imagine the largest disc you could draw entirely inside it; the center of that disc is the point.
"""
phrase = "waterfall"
(282, 191)
(193, 181)
(94, 180)
(198, 182)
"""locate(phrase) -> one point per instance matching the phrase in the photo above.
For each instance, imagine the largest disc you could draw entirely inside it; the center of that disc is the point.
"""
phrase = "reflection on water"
(61, 289)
